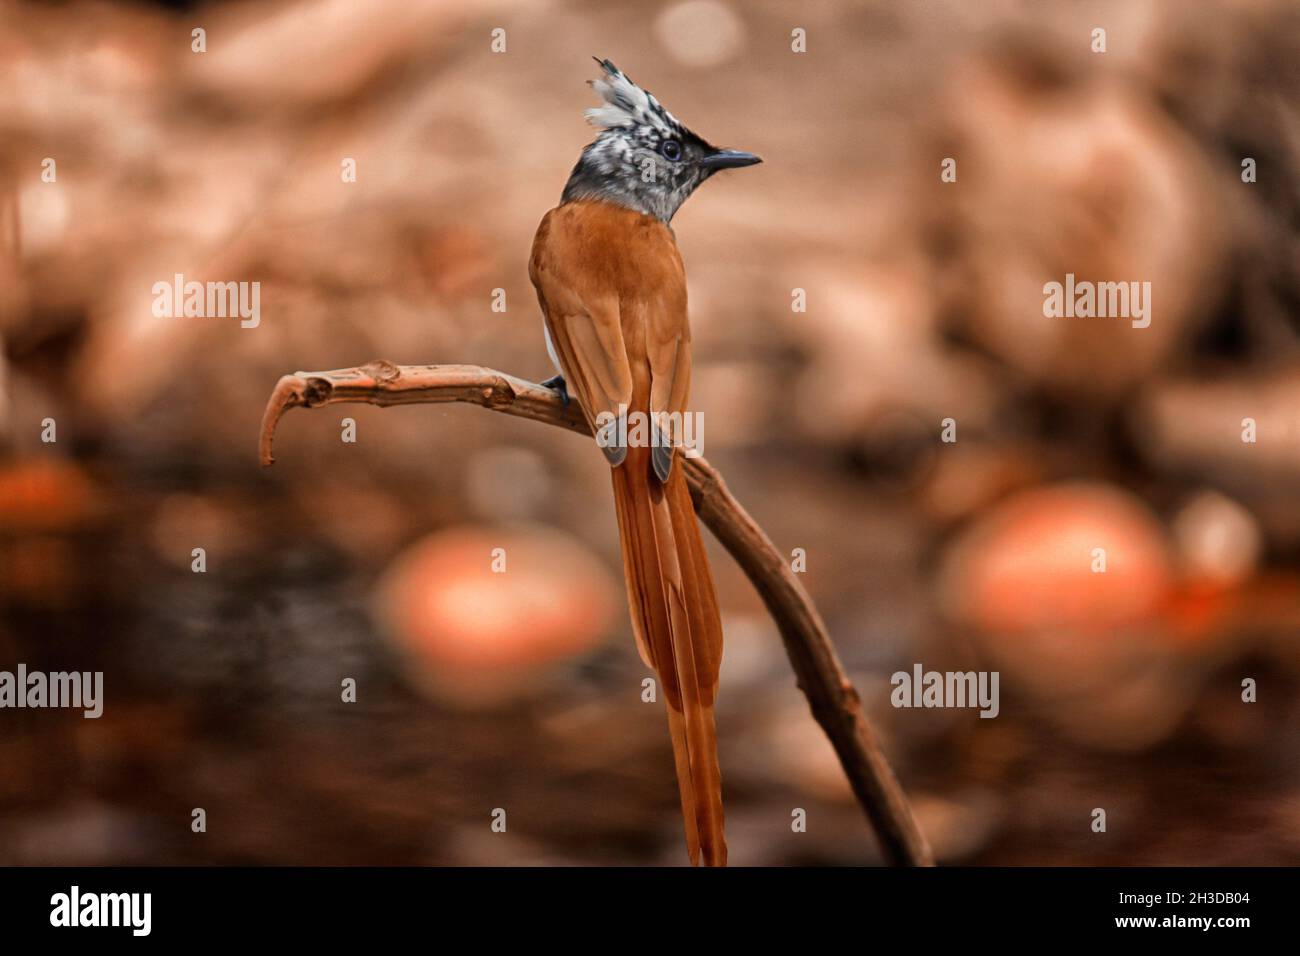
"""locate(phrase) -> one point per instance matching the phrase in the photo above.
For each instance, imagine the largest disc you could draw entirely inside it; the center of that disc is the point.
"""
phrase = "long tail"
(678, 631)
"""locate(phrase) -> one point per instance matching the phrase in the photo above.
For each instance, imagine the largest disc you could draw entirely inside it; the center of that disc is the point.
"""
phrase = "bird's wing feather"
(613, 291)
(582, 317)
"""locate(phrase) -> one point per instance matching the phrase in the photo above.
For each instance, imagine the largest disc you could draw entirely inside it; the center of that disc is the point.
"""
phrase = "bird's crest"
(626, 104)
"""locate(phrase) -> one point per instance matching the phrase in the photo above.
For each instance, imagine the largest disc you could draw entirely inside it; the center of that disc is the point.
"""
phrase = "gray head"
(643, 158)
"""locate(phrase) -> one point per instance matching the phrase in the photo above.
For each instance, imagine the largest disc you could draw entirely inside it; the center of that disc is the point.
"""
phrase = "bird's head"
(644, 158)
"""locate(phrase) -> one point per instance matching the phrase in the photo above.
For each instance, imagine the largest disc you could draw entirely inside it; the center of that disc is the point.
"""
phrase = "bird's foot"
(556, 384)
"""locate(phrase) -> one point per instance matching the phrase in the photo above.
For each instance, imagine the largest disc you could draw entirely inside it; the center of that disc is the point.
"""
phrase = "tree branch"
(831, 695)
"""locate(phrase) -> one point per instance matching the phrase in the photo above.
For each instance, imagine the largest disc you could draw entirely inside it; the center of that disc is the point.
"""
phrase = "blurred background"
(371, 560)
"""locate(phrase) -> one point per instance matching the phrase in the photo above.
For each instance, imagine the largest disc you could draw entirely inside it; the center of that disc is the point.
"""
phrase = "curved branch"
(831, 695)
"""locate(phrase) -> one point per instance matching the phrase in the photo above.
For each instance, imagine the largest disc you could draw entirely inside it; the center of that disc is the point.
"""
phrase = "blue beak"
(728, 159)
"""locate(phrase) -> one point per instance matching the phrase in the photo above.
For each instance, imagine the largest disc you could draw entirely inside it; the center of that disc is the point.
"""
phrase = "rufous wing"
(613, 294)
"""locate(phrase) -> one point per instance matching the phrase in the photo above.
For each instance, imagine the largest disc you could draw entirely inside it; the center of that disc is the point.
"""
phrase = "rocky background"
(369, 560)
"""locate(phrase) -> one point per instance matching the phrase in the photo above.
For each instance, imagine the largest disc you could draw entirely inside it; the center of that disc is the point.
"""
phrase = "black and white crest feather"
(644, 158)
(626, 104)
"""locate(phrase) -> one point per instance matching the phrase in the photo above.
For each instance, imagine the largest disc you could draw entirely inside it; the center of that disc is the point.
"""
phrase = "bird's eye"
(672, 150)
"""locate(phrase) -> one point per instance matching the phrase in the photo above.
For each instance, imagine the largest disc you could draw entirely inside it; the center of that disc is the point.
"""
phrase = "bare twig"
(830, 694)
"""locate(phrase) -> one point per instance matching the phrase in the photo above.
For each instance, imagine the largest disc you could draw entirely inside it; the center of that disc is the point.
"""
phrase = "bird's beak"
(728, 159)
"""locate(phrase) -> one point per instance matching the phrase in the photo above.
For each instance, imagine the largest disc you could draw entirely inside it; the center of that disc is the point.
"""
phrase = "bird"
(612, 290)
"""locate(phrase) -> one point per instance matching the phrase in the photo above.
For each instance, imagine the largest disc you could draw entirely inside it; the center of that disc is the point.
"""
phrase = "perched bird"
(613, 295)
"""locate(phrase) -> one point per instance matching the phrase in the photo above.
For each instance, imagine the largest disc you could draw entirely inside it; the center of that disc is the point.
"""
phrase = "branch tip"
(832, 698)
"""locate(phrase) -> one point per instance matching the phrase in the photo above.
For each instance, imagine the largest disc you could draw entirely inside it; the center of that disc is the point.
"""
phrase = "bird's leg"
(556, 384)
